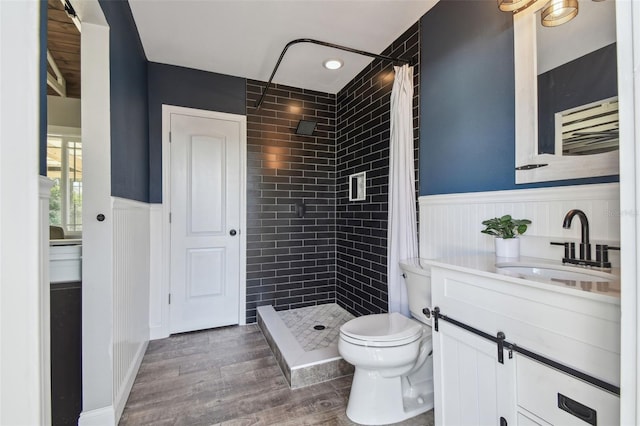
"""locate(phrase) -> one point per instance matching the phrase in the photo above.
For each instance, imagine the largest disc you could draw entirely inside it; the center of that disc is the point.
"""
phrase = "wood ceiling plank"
(62, 46)
(68, 38)
(58, 15)
(63, 41)
(61, 27)
(55, 4)
(68, 58)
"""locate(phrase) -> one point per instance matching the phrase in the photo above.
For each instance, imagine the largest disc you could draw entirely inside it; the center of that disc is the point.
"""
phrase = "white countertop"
(484, 264)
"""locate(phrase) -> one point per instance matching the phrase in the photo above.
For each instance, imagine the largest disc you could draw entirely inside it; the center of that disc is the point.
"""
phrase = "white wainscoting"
(158, 280)
(450, 224)
(130, 294)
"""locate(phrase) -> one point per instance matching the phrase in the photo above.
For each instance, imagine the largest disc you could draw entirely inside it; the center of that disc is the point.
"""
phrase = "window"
(64, 167)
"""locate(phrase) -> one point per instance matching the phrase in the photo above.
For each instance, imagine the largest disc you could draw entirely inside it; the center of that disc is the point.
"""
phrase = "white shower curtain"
(402, 237)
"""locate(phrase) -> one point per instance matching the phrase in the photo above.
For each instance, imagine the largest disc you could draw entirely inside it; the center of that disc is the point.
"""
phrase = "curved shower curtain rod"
(327, 44)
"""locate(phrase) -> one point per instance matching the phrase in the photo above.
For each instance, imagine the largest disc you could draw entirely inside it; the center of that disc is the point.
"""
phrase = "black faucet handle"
(602, 253)
(569, 249)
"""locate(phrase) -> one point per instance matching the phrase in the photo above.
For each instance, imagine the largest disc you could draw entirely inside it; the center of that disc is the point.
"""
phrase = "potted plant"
(506, 229)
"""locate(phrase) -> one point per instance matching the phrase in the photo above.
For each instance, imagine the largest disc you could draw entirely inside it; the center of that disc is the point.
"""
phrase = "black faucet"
(584, 258)
(585, 246)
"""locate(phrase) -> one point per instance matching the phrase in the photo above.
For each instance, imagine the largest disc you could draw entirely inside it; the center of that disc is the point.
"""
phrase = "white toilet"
(393, 378)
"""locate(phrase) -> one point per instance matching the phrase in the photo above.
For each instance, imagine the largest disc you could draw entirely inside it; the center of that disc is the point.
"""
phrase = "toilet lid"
(393, 329)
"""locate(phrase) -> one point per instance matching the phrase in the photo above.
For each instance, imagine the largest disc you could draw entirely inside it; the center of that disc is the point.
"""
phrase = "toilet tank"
(418, 280)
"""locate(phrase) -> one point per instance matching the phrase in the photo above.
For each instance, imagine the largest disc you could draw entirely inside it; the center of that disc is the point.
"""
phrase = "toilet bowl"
(393, 377)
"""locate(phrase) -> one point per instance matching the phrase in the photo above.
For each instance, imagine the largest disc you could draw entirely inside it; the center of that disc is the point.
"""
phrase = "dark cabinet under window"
(66, 353)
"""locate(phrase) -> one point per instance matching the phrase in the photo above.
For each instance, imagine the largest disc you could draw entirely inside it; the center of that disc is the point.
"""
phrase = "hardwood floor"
(228, 376)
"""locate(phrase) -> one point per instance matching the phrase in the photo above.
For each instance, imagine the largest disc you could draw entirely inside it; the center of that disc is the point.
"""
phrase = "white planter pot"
(509, 247)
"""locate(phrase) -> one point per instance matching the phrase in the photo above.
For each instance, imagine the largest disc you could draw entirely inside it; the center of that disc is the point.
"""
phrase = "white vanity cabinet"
(559, 344)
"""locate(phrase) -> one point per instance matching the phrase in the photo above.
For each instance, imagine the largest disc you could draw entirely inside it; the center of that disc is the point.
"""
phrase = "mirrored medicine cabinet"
(566, 95)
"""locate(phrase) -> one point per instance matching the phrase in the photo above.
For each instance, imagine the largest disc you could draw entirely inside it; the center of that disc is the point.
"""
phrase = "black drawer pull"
(574, 408)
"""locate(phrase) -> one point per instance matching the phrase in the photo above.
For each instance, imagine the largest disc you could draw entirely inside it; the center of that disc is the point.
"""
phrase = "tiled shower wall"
(337, 251)
(290, 260)
(362, 144)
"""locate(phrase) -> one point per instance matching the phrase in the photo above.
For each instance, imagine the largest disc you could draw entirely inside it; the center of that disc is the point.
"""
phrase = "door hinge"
(170, 137)
(169, 217)
(169, 298)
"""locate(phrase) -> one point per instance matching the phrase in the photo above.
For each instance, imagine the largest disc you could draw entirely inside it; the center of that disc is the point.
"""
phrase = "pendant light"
(516, 6)
(554, 12)
(557, 12)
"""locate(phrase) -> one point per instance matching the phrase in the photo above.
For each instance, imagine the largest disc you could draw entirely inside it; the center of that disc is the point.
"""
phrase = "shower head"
(306, 127)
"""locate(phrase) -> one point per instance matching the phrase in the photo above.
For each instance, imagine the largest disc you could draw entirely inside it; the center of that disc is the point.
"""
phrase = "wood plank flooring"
(228, 376)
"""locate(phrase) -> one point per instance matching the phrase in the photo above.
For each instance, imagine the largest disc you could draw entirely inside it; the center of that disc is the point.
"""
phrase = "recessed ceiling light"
(332, 64)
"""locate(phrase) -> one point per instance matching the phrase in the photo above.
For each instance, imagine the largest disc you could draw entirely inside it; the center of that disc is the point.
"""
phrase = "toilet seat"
(382, 330)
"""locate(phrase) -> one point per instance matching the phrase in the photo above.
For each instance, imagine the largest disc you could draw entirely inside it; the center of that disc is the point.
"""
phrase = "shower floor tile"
(301, 323)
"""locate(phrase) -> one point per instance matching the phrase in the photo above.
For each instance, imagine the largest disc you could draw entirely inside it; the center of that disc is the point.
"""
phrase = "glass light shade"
(516, 6)
(332, 64)
(511, 5)
(559, 12)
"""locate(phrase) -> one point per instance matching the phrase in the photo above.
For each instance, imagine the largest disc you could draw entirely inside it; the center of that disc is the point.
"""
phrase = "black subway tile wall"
(290, 259)
(362, 145)
(337, 252)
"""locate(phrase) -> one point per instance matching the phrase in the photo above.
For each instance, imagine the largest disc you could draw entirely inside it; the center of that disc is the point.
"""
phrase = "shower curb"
(299, 367)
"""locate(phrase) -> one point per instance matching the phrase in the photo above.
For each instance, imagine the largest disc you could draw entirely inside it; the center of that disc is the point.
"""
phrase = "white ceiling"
(244, 38)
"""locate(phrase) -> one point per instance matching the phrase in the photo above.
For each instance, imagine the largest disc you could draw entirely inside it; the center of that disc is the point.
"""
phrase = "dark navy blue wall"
(191, 88)
(129, 109)
(43, 88)
(467, 100)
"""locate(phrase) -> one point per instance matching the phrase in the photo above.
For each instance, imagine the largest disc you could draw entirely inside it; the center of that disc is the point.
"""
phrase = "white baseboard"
(158, 332)
(104, 416)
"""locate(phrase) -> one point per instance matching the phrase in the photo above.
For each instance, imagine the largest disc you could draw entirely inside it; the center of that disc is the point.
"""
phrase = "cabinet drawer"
(561, 399)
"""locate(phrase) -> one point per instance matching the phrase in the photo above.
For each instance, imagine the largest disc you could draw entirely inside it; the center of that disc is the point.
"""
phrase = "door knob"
(100, 217)
(232, 232)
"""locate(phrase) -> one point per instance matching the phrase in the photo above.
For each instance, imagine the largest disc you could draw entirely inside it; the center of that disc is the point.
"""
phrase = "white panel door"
(205, 220)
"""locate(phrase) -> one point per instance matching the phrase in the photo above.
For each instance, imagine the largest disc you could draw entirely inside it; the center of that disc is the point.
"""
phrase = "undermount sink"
(554, 272)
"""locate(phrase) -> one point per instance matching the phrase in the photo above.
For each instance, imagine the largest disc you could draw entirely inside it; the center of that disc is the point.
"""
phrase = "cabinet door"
(471, 386)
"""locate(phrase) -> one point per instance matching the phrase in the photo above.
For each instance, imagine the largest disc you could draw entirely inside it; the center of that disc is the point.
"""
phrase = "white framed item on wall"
(358, 186)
